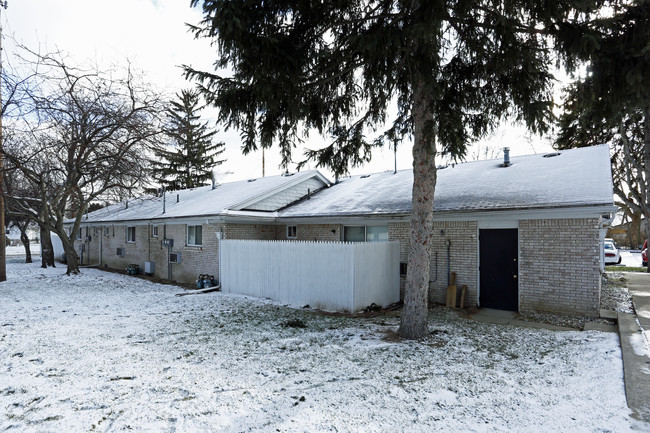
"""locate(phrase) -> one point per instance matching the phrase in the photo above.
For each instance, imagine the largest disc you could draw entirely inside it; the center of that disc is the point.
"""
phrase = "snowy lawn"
(106, 352)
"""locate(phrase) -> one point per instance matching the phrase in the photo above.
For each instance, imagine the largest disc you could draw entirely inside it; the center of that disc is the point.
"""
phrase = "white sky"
(153, 36)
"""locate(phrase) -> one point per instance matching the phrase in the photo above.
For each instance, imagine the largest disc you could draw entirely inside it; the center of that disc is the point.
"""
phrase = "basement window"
(130, 235)
(292, 232)
(195, 236)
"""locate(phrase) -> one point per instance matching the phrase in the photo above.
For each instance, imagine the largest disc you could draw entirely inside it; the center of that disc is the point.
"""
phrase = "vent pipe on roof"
(506, 157)
(178, 198)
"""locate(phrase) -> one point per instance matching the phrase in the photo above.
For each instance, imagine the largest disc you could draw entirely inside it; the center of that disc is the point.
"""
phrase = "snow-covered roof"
(576, 177)
(569, 178)
(206, 201)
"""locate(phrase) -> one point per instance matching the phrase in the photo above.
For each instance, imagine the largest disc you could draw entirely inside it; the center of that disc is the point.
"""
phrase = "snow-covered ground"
(106, 352)
(19, 250)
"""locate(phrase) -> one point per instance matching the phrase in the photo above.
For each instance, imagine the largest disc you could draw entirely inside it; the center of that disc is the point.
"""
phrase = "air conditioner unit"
(174, 257)
(120, 252)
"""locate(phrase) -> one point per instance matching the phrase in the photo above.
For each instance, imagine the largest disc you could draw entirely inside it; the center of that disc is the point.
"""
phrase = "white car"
(612, 256)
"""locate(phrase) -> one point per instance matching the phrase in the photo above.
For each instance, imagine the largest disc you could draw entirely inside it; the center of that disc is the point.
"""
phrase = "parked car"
(612, 256)
(644, 254)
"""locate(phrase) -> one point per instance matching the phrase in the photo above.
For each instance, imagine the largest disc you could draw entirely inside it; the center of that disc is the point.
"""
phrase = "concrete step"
(609, 315)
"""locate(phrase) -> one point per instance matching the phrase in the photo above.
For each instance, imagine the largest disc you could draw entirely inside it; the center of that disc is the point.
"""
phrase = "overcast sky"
(153, 36)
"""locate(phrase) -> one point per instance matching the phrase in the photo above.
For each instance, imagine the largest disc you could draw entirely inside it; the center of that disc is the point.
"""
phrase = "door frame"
(500, 224)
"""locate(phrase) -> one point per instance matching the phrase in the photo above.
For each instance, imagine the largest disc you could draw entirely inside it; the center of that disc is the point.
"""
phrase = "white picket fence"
(334, 276)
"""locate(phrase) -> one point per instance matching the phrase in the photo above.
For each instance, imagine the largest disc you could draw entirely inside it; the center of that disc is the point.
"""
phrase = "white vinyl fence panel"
(327, 275)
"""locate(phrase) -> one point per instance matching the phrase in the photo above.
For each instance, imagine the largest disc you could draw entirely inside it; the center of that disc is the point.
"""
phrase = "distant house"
(523, 236)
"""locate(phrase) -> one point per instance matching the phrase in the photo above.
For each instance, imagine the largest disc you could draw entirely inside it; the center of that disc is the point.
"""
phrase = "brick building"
(524, 235)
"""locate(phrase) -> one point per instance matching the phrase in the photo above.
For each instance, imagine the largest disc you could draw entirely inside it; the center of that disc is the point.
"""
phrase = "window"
(194, 235)
(365, 233)
(79, 234)
(130, 234)
(354, 233)
(107, 231)
(154, 231)
(377, 234)
(292, 232)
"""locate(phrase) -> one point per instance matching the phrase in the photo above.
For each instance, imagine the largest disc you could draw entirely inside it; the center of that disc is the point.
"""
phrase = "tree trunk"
(25, 240)
(47, 250)
(634, 230)
(70, 254)
(646, 160)
(416, 297)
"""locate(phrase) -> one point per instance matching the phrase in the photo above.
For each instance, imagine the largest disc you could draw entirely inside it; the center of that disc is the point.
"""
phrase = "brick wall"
(559, 266)
(250, 231)
(195, 260)
(313, 232)
(463, 256)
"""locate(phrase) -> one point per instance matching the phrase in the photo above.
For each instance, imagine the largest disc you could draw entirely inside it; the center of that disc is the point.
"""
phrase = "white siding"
(326, 275)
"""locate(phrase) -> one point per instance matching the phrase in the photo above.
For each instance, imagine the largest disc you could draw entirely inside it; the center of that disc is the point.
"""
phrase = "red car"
(644, 254)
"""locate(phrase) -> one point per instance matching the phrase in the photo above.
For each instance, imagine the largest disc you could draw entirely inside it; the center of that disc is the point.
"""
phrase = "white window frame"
(154, 231)
(79, 234)
(187, 235)
(365, 232)
(292, 232)
(129, 230)
(107, 231)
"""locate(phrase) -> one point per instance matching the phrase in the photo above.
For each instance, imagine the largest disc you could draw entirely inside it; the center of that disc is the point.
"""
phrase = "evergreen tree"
(191, 154)
(453, 69)
(610, 103)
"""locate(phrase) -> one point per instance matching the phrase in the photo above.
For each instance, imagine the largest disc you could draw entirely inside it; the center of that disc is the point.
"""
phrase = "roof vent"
(365, 176)
(252, 180)
(287, 174)
(551, 155)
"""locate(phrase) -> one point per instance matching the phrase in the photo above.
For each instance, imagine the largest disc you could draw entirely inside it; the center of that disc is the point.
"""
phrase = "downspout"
(448, 262)
(101, 246)
(149, 247)
(169, 265)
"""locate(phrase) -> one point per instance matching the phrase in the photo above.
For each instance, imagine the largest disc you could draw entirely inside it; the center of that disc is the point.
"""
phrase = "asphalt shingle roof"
(194, 202)
(576, 177)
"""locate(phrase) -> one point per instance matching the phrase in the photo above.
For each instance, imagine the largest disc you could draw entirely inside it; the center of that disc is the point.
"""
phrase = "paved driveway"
(631, 258)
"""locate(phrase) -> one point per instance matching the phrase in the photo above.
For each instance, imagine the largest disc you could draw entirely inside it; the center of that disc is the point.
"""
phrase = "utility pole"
(3, 233)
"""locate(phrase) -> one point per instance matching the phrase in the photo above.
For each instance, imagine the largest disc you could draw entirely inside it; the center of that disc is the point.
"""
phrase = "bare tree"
(87, 136)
